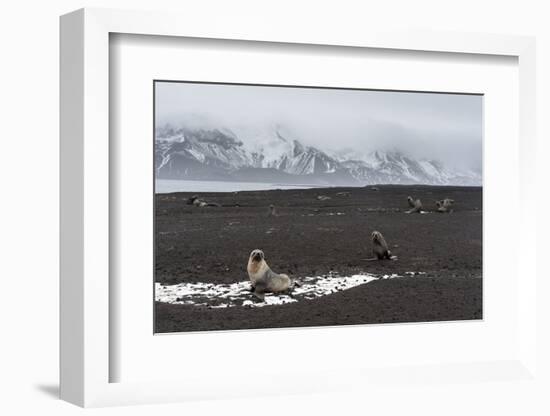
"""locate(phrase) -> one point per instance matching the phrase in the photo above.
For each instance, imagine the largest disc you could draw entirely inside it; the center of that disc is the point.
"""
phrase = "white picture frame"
(85, 164)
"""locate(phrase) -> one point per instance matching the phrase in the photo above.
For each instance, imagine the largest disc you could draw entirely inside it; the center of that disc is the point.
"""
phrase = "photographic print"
(291, 206)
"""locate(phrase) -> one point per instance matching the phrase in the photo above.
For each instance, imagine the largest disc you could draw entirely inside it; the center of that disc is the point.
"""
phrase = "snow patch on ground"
(238, 294)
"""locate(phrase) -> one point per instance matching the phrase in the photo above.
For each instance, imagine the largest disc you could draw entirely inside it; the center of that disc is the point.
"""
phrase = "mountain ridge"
(219, 154)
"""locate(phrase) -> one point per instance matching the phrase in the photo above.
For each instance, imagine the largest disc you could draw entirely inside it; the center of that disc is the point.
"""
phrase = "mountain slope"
(218, 154)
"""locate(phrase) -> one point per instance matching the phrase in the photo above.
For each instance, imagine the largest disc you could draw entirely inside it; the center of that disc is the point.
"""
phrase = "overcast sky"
(447, 127)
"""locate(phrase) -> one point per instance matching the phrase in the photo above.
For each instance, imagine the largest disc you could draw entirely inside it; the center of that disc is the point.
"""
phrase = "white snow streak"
(238, 294)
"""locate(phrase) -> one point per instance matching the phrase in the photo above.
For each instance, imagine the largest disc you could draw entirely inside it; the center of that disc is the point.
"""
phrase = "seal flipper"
(260, 289)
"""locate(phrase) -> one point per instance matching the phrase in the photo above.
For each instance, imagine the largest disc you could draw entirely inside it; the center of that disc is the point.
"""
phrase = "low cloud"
(446, 127)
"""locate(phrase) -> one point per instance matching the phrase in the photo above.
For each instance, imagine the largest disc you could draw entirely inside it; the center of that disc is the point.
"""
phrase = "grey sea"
(165, 186)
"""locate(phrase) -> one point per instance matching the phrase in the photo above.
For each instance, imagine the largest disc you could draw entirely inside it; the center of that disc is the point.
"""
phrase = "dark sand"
(308, 237)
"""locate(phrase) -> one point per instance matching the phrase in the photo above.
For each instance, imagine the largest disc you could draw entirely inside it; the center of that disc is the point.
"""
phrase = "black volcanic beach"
(315, 232)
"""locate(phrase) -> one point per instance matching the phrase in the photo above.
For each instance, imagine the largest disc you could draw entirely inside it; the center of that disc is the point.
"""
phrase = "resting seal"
(198, 202)
(444, 205)
(263, 278)
(416, 205)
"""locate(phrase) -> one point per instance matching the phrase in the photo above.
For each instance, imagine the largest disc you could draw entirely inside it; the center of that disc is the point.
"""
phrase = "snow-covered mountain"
(277, 157)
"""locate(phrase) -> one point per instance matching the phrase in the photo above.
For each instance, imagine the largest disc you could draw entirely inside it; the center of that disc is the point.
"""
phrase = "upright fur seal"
(263, 278)
(380, 248)
(272, 212)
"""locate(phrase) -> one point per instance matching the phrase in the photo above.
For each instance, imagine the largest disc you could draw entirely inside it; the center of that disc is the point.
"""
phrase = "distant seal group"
(442, 206)
(264, 279)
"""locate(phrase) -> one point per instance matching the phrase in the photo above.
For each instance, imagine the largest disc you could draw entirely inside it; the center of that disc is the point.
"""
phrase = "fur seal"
(191, 201)
(444, 205)
(264, 279)
(271, 212)
(197, 202)
(416, 205)
(380, 248)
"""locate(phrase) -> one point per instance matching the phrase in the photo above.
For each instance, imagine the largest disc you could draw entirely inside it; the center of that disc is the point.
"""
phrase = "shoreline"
(267, 186)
